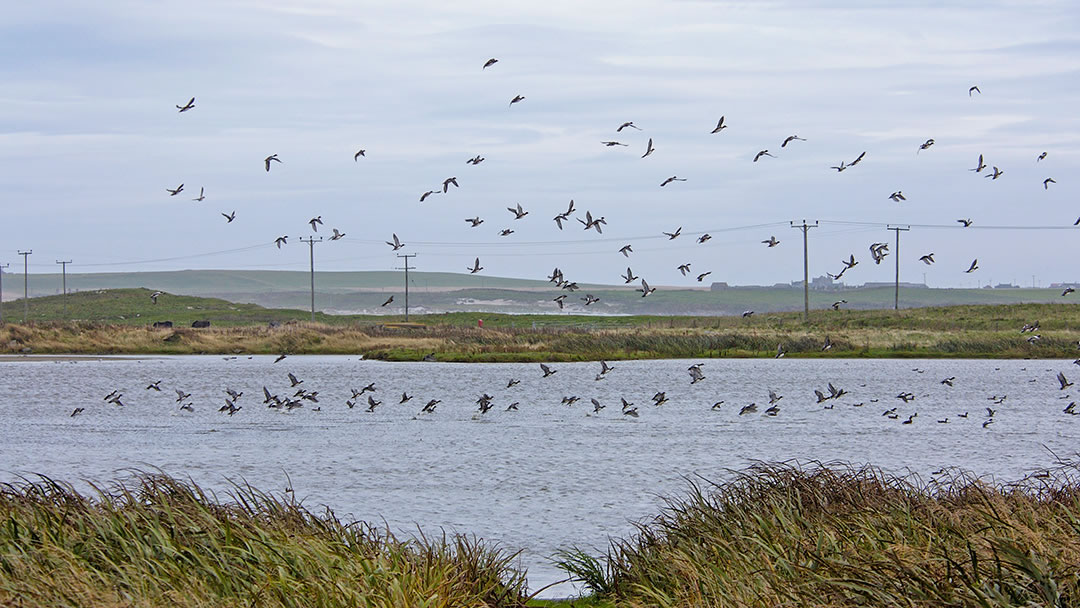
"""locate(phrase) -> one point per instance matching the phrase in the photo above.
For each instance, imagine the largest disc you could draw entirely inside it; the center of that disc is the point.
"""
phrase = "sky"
(90, 136)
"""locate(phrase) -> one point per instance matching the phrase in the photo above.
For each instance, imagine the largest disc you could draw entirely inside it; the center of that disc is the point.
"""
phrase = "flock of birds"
(878, 251)
(294, 395)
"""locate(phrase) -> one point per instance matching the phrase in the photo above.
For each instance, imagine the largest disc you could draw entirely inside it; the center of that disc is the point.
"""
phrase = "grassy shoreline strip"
(838, 536)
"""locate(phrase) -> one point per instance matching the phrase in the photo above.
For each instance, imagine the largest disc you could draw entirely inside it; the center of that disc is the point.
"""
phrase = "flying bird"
(516, 99)
(281, 240)
(229, 217)
(649, 149)
(175, 191)
(626, 250)
(927, 259)
(857, 160)
(518, 213)
(979, 166)
(547, 370)
(673, 235)
(489, 63)
(762, 153)
(1067, 291)
(337, 236)
(684, 268)
(791, 138)
(996, 174)
(925, 145)
(427, 194)
(1047, 182)
(897, 196)
(966, 222)
(187, 106)
(476, 267)
(645, 289)
(720, 126)
(1064, 383)
(974, 265)
(397, 244)
(1041, 156)
(841, 167)
(506, 232)
(474, 221)
(268, 159)
(673, 178)
(629, 276)
(704, 237)
(202, 195)
(315, 221)
(771, 242)
(388, 301)
(358, 154)
(613, 143)
(446, 183)
(701, 277)
(974, 89)
(627, 124)
(476, 160)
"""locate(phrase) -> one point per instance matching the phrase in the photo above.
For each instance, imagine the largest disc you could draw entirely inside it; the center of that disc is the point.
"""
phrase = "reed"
(158, 541)
(781, 535)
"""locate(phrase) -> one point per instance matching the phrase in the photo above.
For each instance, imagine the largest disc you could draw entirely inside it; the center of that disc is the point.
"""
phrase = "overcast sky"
(90, 137)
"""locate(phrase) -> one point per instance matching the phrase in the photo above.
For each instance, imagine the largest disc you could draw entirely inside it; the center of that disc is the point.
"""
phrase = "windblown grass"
(161, 542)
(835, 537)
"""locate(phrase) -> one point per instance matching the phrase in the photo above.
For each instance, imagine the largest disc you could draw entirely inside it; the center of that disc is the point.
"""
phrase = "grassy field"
(840, 537)
(117, 321)
(776, 535)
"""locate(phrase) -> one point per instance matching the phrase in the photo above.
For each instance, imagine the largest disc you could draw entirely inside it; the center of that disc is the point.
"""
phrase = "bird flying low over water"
(388, 301)
(476, 267)
(629, 276)
(269, 159)
(645, 289)
(547, 370)
(187, 106)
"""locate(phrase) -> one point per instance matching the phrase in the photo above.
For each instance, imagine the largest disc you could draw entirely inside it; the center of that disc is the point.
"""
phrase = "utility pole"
(311, 245)
(2, 267)
(896, 254)
(25, 284)
(805, 266)
(407, 268)
(63, 265)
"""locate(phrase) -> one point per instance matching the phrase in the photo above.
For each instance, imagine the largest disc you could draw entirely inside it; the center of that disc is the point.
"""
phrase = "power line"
(26, 290)
(406, 268)
(64, 271)
(311, 244)
(805, 266)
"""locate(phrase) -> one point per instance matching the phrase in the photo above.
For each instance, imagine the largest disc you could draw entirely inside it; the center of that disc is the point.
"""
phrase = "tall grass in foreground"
(158, 541)
(785, 536)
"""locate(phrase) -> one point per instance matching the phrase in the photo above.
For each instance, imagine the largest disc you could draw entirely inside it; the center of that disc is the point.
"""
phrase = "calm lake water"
(544, 477)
